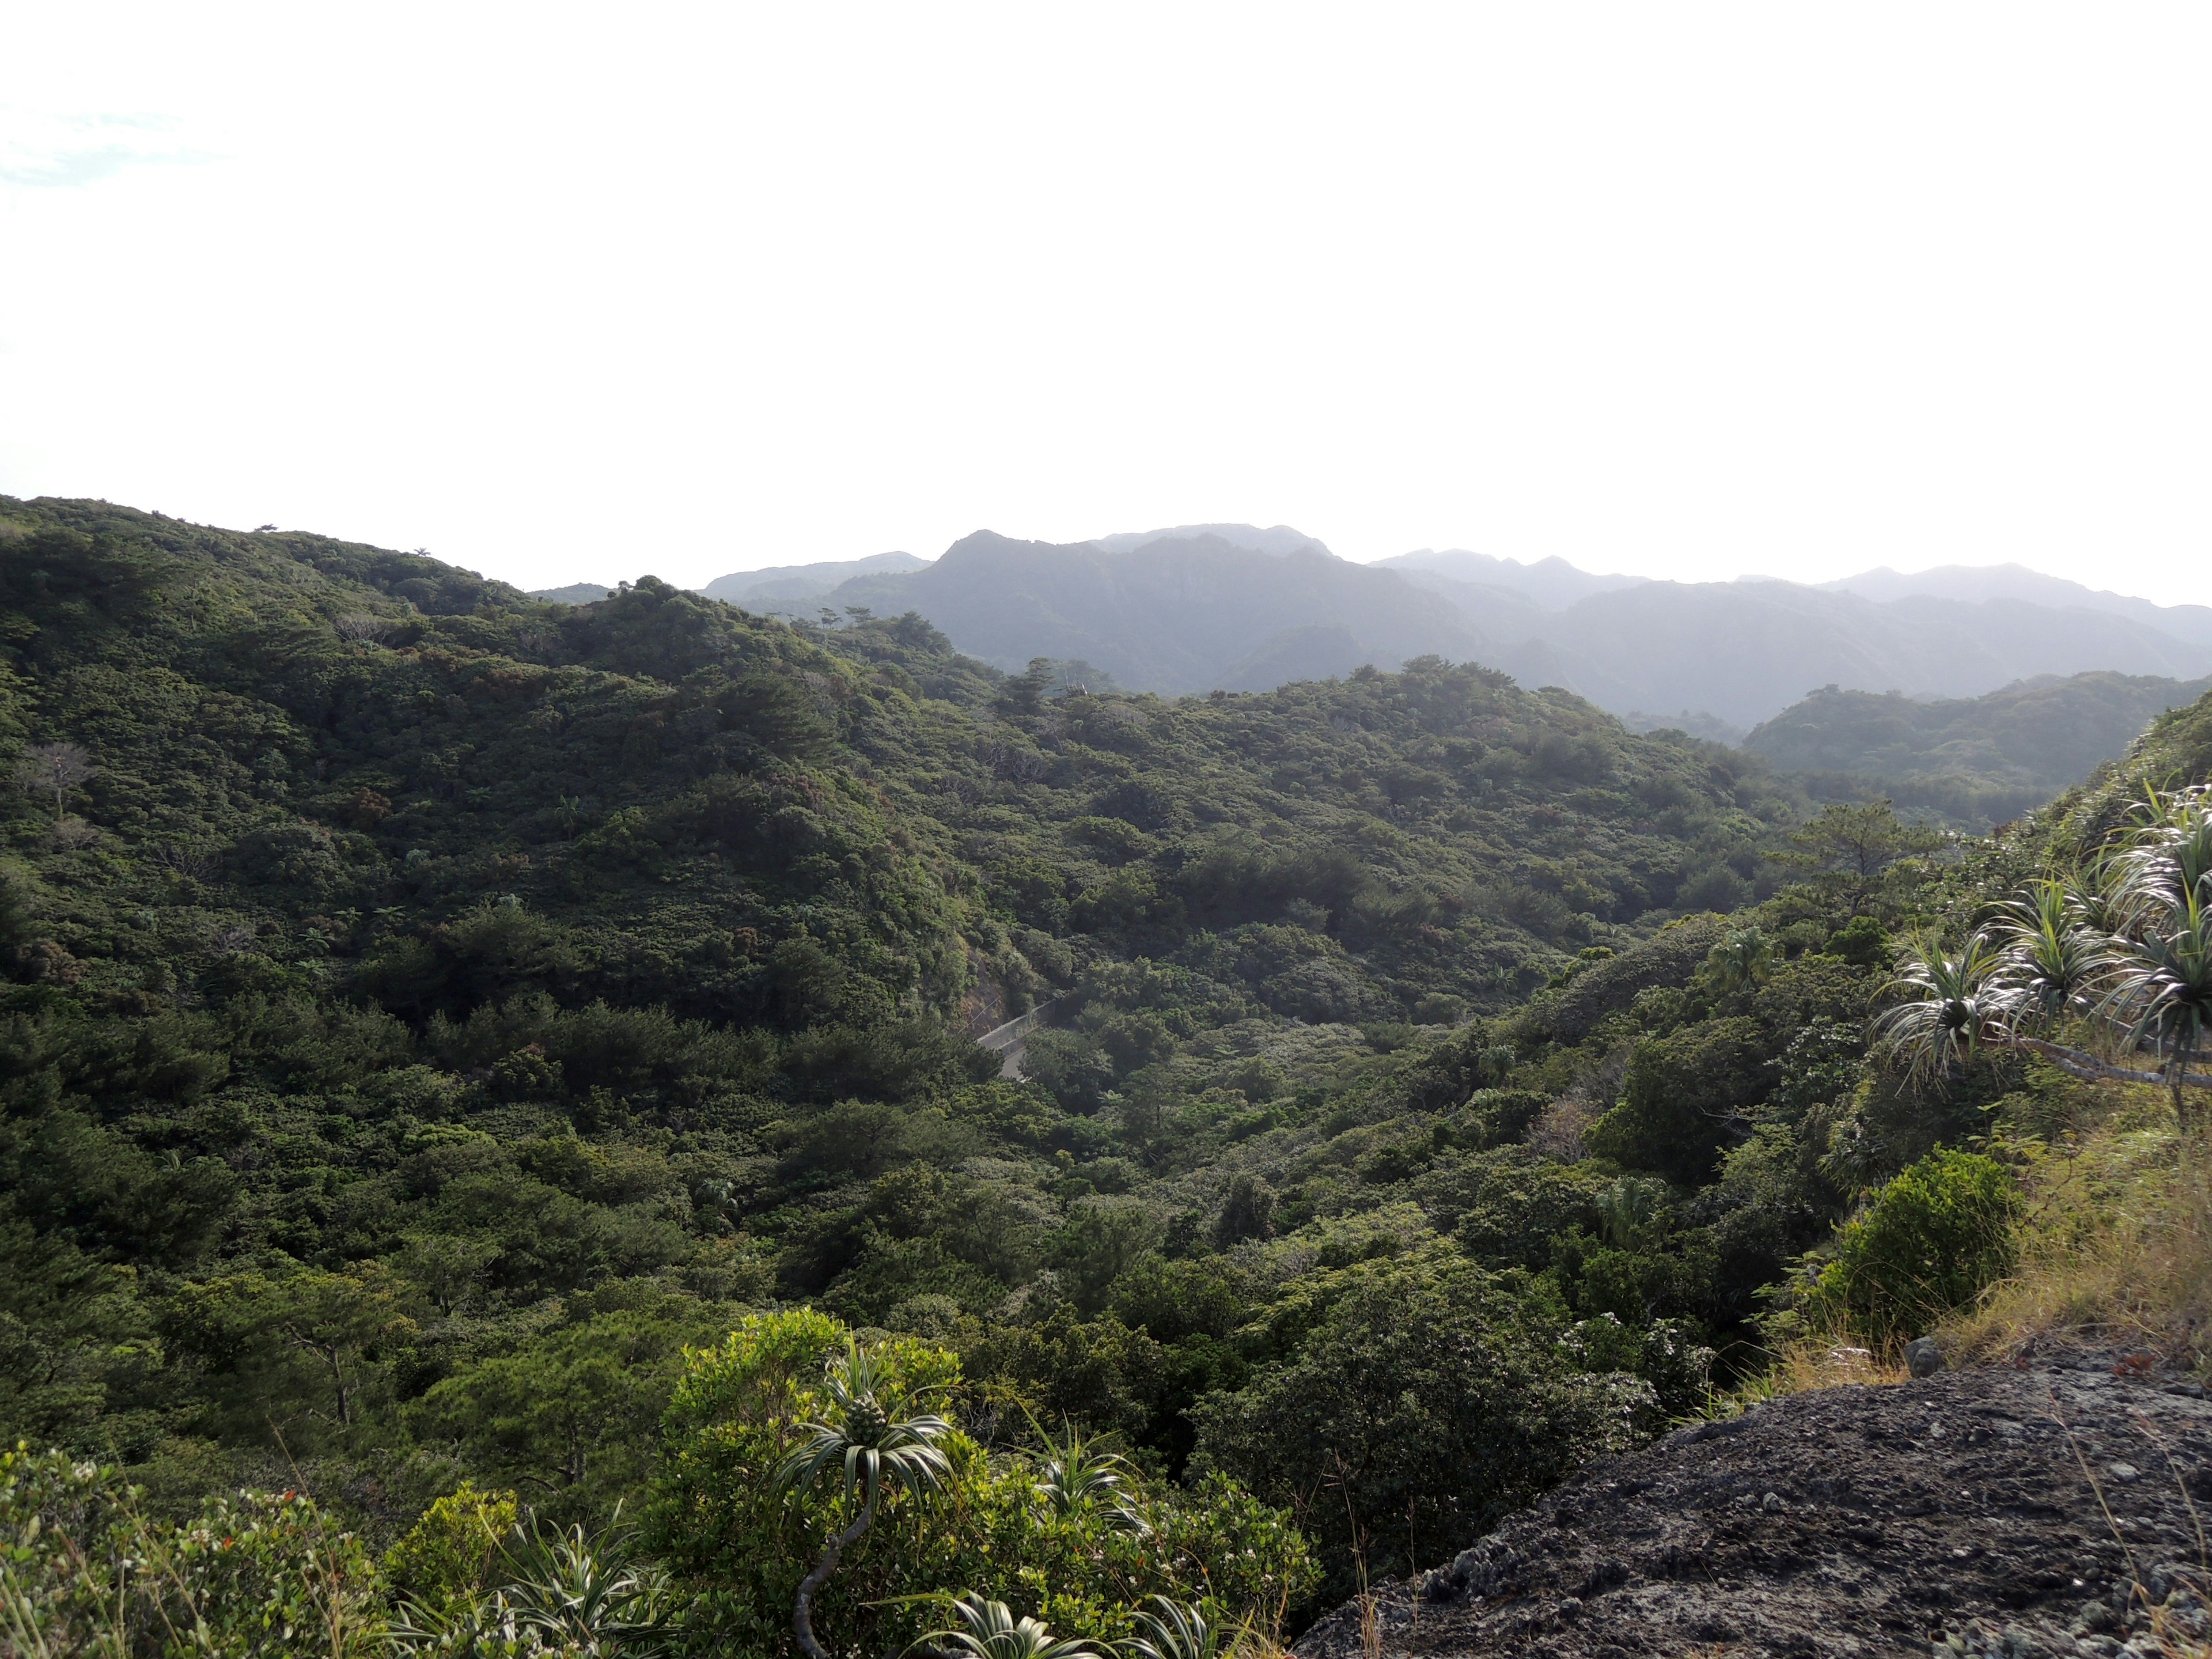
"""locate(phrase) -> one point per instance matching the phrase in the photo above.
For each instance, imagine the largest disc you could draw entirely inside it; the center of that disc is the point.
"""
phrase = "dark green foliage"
(1685, 1098)
(437, 1008)
(1972, 761)
(1423, 1403)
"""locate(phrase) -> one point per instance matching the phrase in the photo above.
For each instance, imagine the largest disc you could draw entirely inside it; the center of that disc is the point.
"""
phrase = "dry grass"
(1812, 1363)
(2115, 1251)
(2116, 1247)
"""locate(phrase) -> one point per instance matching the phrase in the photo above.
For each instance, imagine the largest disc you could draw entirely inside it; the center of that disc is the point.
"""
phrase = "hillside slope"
(1978, 760)
(1854, 1521)
(534, 989)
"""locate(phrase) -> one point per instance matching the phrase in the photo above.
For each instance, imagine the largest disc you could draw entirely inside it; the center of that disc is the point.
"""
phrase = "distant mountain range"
(785, 586)
(1201, 607)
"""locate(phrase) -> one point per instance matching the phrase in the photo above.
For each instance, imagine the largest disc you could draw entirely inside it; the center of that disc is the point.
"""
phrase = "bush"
(736, 1548)
(1427, 1399)
(84, 1569)
(1933, 1239)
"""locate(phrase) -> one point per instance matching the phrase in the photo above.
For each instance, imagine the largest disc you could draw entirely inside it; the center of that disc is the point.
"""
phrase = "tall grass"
(2115, 1246)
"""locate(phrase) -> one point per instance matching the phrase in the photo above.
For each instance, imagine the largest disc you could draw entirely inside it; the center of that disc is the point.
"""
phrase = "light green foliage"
(84, 1569)
(739, 1550)
(1932, 1239)
(445, 1561)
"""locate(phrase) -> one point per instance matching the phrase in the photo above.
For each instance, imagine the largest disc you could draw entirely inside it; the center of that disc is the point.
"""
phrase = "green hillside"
(1975, 761)
(431, 1009)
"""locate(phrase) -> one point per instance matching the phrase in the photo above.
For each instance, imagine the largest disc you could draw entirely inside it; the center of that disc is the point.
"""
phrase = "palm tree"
(871, 1448)
(988, 1629)
(2053, 959)
(1743, 958)
(1178, 1631)
(2162, 988)
(571, 1595)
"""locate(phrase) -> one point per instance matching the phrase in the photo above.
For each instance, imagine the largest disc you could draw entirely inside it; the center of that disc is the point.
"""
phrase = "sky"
(575, 294)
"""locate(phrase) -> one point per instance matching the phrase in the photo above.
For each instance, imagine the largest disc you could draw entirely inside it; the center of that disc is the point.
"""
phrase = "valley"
(462, 1049)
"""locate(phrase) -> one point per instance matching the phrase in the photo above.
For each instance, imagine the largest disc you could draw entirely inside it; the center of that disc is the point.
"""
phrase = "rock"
(1922, 1358)
(1772, 1502)
(2124, 1473)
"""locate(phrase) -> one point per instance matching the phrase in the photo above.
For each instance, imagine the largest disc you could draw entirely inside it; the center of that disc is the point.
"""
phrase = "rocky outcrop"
(2046, 1508)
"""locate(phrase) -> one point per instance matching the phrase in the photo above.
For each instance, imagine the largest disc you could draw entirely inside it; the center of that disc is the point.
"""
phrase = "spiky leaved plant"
(1078, 1475)
(988, 1629)
(1952, 1001)
(2127, 944)
(871, 1448)
(1178, 1631)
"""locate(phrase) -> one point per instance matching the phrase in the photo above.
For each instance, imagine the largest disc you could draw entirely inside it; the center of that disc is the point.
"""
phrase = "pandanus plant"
(1078, 1475)
(1178, 1631)
(988, 1629)
(869, 1449)
(2127, 946)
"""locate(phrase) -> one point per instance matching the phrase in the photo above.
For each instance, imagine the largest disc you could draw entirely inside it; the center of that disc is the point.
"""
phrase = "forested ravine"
(467, 1059)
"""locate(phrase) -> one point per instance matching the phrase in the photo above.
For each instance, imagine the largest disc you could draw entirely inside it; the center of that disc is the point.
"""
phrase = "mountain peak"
(1280, 540)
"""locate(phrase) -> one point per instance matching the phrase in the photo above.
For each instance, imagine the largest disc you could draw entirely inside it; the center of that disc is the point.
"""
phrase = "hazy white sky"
(578, 293)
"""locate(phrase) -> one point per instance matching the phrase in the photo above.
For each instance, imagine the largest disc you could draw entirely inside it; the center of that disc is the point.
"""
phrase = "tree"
(1953, 1000)
(315, 1336)
(1741, 960)
(871, 1447)
(572, 1411)
(1852, 851)
(54, 769)
(1428, 1395)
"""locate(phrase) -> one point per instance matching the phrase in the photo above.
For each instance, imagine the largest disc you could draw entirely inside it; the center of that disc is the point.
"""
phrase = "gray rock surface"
(1952, 1515)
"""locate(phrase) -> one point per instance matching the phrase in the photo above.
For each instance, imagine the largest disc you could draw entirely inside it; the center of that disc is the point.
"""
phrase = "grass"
(2115, 1247)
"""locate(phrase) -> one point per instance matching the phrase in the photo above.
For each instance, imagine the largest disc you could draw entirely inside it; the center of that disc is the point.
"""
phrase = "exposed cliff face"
(2048, 1509)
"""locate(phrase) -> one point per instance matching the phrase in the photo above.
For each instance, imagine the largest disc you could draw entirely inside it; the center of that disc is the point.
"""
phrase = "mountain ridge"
(1172, 612)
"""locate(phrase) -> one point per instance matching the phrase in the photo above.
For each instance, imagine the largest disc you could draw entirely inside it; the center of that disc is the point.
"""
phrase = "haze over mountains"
(1237, 607)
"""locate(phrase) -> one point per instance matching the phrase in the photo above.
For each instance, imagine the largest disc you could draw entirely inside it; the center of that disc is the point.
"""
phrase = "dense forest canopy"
(457, 1045)
(1971, 762)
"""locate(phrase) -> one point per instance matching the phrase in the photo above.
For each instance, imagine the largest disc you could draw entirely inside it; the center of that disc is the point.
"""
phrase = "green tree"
(309, 1343)
(1853, 852)
(871, 1446)
(1429, 1397)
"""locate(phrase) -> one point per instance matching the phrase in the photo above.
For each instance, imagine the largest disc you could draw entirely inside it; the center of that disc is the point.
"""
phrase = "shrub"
(1428, 1398)
(737, 1549)
(1933, 1240)
(84, 1569)
(445, 1558)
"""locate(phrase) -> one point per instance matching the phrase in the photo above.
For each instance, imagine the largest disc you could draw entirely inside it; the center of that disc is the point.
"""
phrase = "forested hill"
(427, 1009)
(1973, 760)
